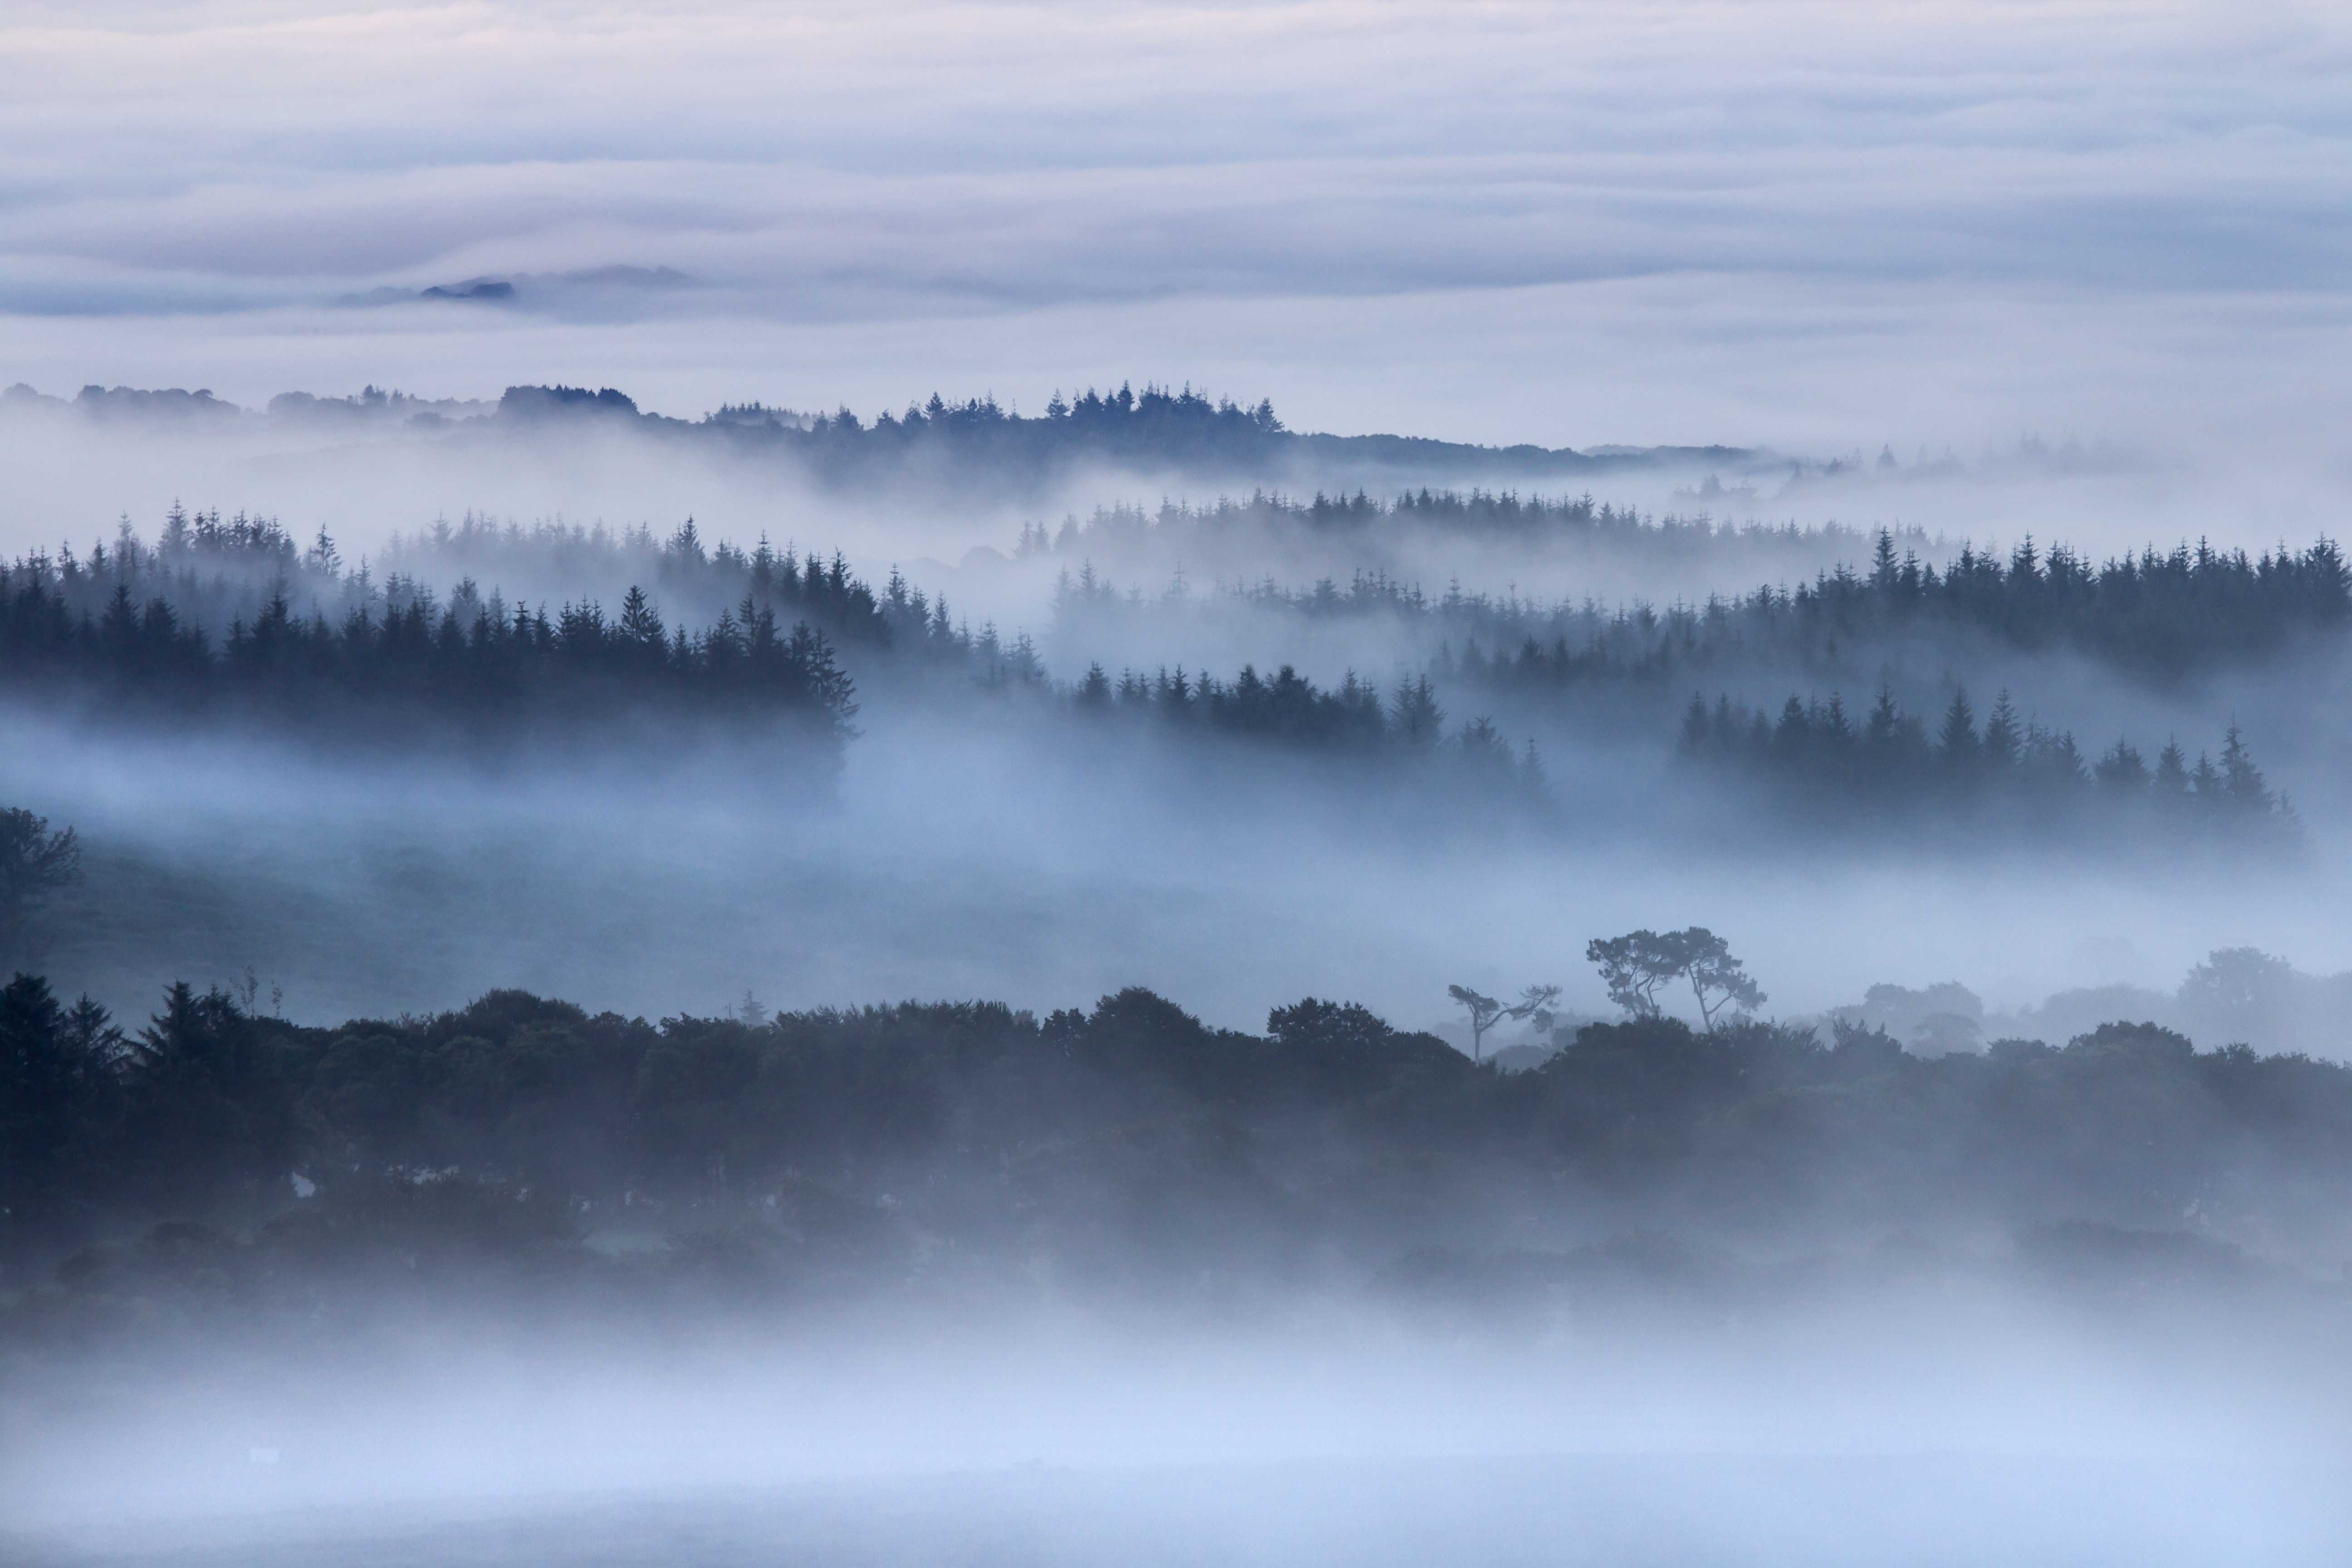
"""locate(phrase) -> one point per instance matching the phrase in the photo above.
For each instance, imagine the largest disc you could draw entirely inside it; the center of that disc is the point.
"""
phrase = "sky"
(1818, 225)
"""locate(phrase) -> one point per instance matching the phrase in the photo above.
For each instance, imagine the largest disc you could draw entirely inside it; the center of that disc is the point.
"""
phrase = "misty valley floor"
(1736, 1510)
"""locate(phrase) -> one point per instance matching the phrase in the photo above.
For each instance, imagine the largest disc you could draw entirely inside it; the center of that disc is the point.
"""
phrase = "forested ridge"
(971, 446)
(305, 637)
(983, 443)
(2159, 617)
(231, 614)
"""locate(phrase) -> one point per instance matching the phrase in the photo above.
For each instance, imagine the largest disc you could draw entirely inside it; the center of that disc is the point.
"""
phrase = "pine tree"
(2172, 780)
(1696, 729)
(1956, 746)
(2205, 782)
(1416, 717)
(639, 623)
(2005, 742)
(2122, 772)
(2243, 782)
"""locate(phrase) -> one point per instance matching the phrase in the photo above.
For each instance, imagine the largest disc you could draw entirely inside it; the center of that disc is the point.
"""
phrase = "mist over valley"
(1125, 784)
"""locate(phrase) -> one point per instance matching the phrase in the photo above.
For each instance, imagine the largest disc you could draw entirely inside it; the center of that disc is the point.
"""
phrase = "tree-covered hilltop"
(971, 448)
(980, 447)
(983, 447)
(1125, 1143)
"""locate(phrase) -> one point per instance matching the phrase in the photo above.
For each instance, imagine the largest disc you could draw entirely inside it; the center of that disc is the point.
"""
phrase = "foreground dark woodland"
(521, 1143)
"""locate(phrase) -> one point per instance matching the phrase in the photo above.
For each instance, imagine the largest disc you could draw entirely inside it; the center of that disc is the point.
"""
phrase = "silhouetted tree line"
(126, 624)
(233, 608)
(971, 446)
(1131, 1140)
(702, 579)
(1826, 760)
(496, 664)
(2157, 617)
(1158, 420)
(213, 572)
(979, 445)
(303, 634)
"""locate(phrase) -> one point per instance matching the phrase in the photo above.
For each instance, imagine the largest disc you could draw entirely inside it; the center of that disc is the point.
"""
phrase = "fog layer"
(1786, 223)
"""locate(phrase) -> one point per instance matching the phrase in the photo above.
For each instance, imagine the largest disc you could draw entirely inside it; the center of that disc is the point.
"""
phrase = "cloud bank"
(1780, 222)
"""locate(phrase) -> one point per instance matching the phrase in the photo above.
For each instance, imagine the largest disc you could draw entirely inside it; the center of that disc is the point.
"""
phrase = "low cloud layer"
(1567, 224)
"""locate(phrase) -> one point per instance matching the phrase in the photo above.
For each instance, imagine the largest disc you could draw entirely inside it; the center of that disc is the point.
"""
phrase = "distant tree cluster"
(1352, 554)
(990, 444)
(1156, 418)
(127, 624)
(1288, 709)
(1827, 760)
(702, 579)
(213, 572)
(1126, 529)
(2157, 617)
(495, 663)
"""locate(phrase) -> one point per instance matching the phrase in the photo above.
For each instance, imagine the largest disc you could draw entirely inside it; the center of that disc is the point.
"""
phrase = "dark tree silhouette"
(1638, 965)
(1635, 967)
(1716, 979)
(58, 1100)
(1811, 759)
(1485, 1014)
